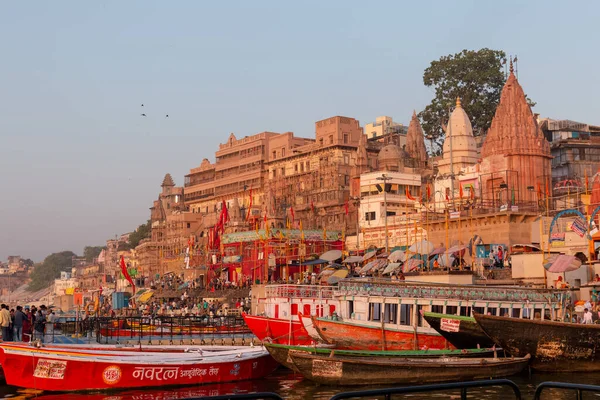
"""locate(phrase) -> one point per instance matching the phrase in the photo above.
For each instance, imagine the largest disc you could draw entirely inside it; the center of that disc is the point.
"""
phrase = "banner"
(578, 226)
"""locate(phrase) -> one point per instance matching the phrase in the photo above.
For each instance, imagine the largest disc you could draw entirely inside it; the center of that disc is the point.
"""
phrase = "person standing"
(587, 317)
(39, 325)
(20, 318)
(5, 322)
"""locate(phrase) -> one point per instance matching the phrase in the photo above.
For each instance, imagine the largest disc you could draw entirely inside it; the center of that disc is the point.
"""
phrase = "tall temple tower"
(515, 154)
(460, 149)
(415, 142)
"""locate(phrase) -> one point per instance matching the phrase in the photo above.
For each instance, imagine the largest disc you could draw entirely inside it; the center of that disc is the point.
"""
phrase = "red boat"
(354, 336)
(280, 331)
(61, 370)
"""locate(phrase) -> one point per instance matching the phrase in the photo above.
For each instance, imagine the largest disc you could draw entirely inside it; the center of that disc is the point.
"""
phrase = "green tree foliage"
(477, 77)
(92, 252)
(44, 273)
(28, 262)
(142, 232)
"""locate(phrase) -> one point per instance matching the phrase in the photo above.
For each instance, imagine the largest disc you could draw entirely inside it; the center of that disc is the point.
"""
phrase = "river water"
(292, 386)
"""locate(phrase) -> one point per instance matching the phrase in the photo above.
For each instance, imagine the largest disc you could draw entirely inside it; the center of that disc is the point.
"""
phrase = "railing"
(462, 386)
(579, 388)
(203, 329)
(376, 287)
(245, 396)
(299, 291)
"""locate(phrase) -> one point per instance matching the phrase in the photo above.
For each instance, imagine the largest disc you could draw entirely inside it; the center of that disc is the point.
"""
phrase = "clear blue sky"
(79, 165)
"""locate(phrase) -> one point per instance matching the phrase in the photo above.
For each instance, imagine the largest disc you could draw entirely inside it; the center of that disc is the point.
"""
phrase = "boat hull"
(554, 346)
(43, 370)
(461, 332)
(354, 336)
(344, 371)
(276, 330)
(281, 352)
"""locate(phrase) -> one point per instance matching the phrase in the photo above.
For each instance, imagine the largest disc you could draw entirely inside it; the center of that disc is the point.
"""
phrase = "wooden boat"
(275, 330)
(280, 353)
(54, 370)
(462, 332)
(124, 328)
(554, 346)
(356, 336)
(374, 371)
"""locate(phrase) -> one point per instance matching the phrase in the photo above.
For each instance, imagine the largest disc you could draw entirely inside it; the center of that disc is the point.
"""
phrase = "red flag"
(428, 192)
(408, 195)
(447, 197)
(547, 189)
(460, 191)
(223, 217)
(346, 207)
(312, 206)
(539, 189)
(250, 206)
(472, 189)
(126, 273)
(292, 214)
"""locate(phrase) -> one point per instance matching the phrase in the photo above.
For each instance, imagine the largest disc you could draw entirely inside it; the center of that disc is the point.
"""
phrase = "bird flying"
(143, 115)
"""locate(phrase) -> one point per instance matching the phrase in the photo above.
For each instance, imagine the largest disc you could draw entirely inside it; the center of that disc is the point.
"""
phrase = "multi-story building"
(384, 126)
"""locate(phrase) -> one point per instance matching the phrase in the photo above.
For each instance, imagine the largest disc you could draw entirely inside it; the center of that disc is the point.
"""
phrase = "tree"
(477, 77)
(44, 274)
(142, 232)
(90, 253)
(28, 262)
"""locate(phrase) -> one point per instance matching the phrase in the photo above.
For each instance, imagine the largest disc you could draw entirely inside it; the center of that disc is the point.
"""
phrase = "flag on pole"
(408, 195)
(267, 232)
(587, 183)
(126, 273)
(287, 224)
(547, 188)
(301, 232)
(324, 233)
(428, 192)
(312, 206)
(460, 191)
(292, 214)
(346, 207)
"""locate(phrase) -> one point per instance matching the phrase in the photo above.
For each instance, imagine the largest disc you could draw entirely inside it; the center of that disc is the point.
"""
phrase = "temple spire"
(458, 102)
(415, 141)
(510, 68)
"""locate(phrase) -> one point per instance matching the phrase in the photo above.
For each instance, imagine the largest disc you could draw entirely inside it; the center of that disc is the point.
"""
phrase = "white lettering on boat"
(213, 371)
(450, 325)
(112, 374)
(50, 369)
(190, 373)
(235, 371)
(155, 373)
(326, 368)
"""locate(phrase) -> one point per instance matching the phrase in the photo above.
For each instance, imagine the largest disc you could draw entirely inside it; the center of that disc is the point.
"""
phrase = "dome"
(389, 157)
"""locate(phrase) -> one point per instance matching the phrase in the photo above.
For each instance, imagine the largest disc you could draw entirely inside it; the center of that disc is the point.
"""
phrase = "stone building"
(384, 126)
(515, 154)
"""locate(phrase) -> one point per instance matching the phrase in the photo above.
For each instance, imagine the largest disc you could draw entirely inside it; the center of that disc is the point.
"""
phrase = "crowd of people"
(24, 324)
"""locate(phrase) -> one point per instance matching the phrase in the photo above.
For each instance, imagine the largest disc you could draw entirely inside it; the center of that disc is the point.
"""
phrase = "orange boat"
(280, 331)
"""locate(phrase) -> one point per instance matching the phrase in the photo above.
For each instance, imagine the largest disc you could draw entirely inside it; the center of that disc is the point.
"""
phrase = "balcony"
(299, 291)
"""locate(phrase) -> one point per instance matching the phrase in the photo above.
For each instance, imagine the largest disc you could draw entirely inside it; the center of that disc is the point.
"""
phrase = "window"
(295, 167)
(274, 173)
(346, 159)
(437, 309)
(282, 171)
(274, 154)
(301, 167)
(479, 310)
(189, 225)
(405, 314)
(350, 308)
(503, 312)
(465, 311)
(374, 311)
(516, 313)
(451, 310)
(420, 315)
(345, 138)
(390, 313)
(308, 165)
(330, 139)
(321, 142)
(370, 216)
(492, 310)
(283, 152)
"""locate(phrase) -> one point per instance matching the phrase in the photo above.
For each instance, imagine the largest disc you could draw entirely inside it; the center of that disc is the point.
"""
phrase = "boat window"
(294, 309)
(537, 313)
(465, 311)
(420, 315)
(374, 311)
(516, 313)
(405, 314)
(548, 314)
(479, 310)
(390, 313)
(451, 310)
(306, 309)
(492, 310)
(526, 313)
(350, 308)
(504, 312)
(437, 309)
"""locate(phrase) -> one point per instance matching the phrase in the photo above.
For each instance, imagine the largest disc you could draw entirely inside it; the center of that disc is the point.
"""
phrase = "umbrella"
(337, 276)
(391, 267)
(331, 255)
(145, 296)
(352, 259)
(372, 265)
(445, 260)
(562, 263)
(397, 255)
(383, 255)
(457, 249)
(438, 250)
(422, 247)
(412, 264)
(369, 255)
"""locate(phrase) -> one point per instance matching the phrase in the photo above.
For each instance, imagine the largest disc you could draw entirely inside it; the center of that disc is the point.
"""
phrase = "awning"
(422, 247)
(562, 263)
(331, 255)
(439, 250)
(372, 265)
(412, 264)
(369, 255)
(145, 296)
(337, 276)
(352, 259)
(315, 262)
